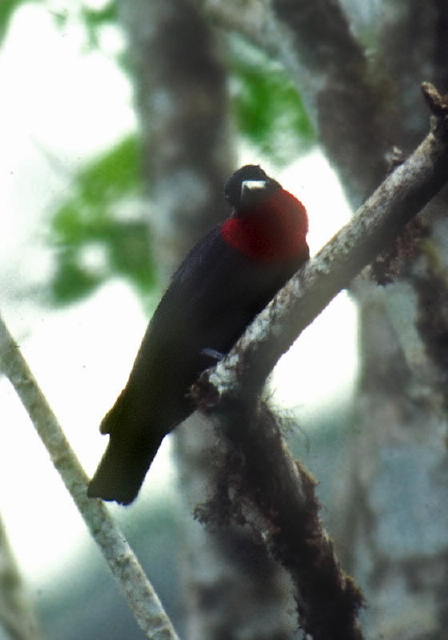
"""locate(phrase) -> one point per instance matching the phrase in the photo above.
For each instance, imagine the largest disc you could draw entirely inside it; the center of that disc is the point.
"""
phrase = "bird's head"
(248, 186)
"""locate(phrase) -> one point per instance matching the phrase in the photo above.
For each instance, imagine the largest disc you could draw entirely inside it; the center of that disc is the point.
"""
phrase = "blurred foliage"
(93, 239)
(95, 19)
(88, 228)
(92, 19)
(269, 112)
(7, 9)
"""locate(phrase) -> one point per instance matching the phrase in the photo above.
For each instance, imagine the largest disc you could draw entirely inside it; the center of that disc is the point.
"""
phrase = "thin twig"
(139, 593)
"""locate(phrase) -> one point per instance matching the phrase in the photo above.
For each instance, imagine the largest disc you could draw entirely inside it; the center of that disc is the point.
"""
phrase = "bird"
(226, 279)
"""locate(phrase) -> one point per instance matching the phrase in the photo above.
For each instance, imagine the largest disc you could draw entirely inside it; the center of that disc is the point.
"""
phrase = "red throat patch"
(275, 230)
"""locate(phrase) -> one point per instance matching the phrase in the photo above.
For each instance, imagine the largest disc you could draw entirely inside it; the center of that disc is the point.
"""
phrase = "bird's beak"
(252, 186)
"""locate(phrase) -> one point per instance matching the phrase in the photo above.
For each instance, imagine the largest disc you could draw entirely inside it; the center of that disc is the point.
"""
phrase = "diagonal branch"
(260, 472)
(137, 590)
(376, 224)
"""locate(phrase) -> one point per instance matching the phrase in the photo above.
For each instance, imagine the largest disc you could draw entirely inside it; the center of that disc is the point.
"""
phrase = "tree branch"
(259, 485)
(17, 616)
(260, 471)
(139, 593)
(376, 224)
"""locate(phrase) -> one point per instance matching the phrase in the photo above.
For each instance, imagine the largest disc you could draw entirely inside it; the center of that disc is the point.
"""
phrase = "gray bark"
(366, 99)
(182, 106)
(232, 589)
(363, 92)
(17, 616)
(136, 589)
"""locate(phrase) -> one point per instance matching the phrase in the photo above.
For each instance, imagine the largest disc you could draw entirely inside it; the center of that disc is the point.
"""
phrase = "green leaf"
(129, 250)
(7, 9)
(71, 281)
(92, 237)
(95, 19)
(268, 109)
(111, 175)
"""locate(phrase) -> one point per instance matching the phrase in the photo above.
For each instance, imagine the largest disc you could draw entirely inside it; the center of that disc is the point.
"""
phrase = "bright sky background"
(60, 106)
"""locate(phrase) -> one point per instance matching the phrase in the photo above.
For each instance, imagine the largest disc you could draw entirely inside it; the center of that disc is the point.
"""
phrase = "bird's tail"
(123, 467)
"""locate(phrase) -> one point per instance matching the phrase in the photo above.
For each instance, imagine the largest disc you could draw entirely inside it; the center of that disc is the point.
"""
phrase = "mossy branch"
(372, 229)
(283, 509)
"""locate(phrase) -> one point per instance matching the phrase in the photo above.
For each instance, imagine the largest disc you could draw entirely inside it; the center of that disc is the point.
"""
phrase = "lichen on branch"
(281, 494)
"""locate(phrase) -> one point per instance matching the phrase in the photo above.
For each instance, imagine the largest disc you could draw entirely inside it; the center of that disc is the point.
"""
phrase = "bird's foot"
(212, 353)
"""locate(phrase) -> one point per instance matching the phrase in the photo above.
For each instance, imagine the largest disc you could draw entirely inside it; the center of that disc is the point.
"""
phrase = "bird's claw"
(212, 353)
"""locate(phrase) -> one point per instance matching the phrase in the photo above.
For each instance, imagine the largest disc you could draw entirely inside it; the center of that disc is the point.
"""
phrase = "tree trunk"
(393, 522)
(396, 517)
(233, 590)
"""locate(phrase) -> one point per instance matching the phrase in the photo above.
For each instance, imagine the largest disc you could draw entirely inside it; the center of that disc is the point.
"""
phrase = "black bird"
(223, 283)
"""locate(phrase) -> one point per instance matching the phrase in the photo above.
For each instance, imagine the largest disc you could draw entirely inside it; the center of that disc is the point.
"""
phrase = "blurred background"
(119, 124)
